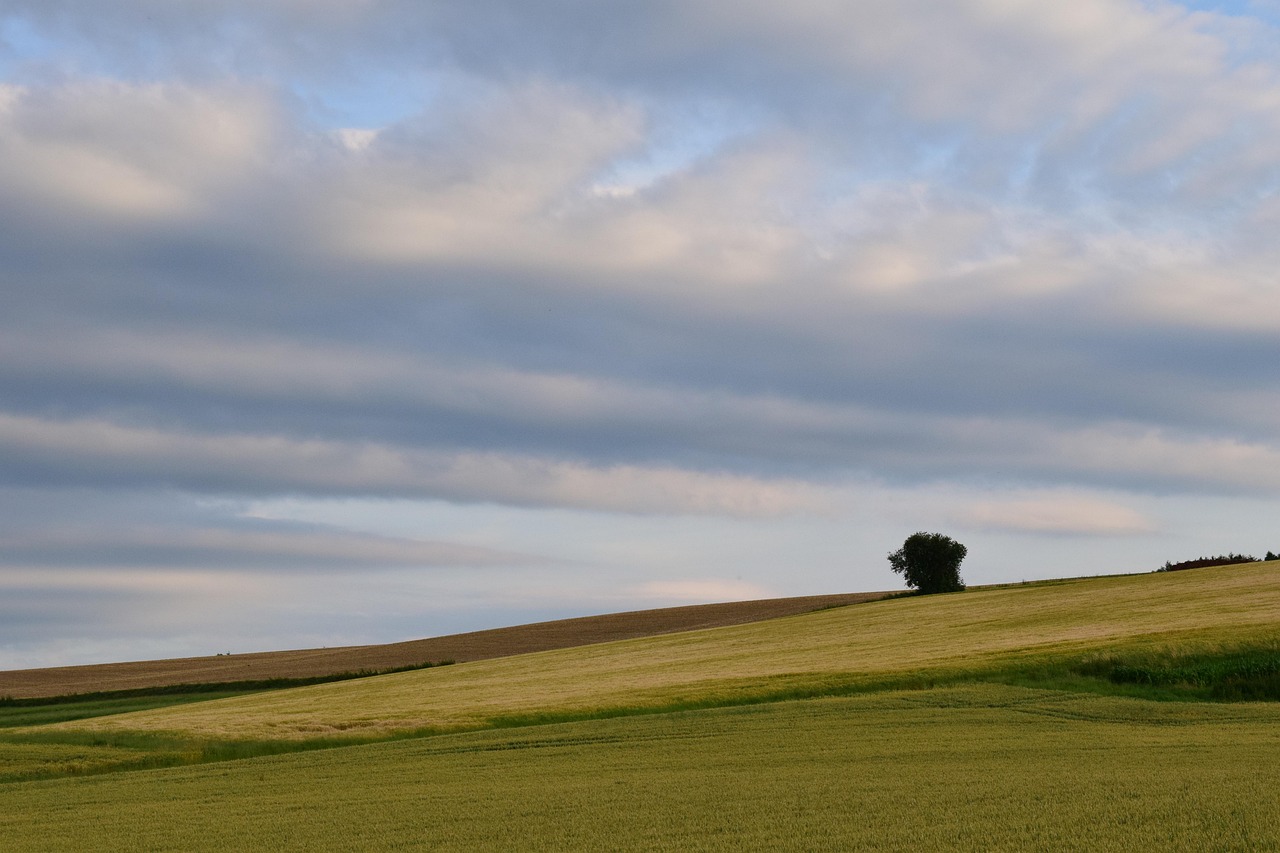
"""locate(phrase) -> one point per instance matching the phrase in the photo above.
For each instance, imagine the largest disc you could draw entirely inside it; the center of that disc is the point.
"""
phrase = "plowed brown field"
(476, 645)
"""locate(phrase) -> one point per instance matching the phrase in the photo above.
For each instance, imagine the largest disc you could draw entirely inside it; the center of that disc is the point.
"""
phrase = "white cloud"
(707, 590)
(116, 149)
(1056, 514)
(479, 181)
(356, 138)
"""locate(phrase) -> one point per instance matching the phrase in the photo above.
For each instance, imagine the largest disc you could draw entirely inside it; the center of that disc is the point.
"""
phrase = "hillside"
(472, 646)
(982, 768)
(883, 643)
(983, 720)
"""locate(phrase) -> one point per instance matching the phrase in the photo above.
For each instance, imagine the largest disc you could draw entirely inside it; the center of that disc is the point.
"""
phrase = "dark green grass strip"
(1245, 675)
(1242, 674)
(12, 716)
(81, 706)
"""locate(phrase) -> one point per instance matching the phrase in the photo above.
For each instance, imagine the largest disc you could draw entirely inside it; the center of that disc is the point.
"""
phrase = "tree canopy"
(930, 562)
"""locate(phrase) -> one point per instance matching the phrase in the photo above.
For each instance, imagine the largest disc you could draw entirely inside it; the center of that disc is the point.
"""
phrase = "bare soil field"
(476, 645)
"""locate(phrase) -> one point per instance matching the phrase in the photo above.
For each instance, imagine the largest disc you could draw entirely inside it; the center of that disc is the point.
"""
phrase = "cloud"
(101, 453)
(701, 590)
(1146, 84)
(332, 419)
(1057, 514)
(476, 180)
(224, 548)
(113, 150)
(693, 264)
(1207, 460)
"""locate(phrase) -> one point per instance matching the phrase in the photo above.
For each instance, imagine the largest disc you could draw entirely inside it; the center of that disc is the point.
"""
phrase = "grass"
(16, 712)
(982, 767)
(1245, 674)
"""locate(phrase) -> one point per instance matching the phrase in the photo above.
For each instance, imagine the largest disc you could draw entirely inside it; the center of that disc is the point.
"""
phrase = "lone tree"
(930, 562)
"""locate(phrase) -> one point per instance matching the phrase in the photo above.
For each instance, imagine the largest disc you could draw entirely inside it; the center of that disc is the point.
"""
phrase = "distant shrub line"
(211, 686)
(1221, 560)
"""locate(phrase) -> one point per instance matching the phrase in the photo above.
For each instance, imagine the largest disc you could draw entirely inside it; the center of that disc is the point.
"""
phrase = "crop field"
(474, 645)
(879, 644)
(986, 767)
(1015, 718)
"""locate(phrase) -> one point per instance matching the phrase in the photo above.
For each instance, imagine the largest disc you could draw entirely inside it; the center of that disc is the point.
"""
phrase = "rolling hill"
(475, 645)
(985, 720)
(982, 634)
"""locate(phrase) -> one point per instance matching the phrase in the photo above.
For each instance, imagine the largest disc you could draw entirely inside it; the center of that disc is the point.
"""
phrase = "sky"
(330, 322)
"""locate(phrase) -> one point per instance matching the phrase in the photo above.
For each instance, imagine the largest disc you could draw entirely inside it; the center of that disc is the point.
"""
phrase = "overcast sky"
(347, 321)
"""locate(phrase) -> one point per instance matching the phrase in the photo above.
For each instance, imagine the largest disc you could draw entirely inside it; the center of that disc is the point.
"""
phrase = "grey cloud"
(34, 614)
(105, 454)
(236, 548)
(914, 448)
(798, 394)
(678, 259)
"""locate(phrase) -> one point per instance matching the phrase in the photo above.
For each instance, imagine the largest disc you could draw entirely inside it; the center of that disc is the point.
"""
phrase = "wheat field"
(969, 764)
(984, 767)
(805, 654)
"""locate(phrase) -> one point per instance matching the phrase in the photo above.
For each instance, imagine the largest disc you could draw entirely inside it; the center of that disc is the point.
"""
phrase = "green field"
(973, 756)
(980, 768)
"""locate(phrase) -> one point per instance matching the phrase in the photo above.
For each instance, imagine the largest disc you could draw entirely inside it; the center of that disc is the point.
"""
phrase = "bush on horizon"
(930, 563)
